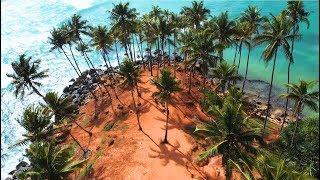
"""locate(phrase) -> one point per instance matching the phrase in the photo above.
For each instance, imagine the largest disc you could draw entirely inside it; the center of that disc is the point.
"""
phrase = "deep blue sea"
(25, 27)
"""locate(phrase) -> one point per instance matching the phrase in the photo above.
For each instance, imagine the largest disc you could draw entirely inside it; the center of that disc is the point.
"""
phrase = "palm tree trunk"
(165, 140)
(126, 49)
(235, 55)
(150, 60)
(270, 89)
(247, 67)
(74, 59)
(190, 76)
(138, 92)
(288, 81)
(239, 60)
(137, 112)
(70, 62)
(115, 45)
(169, 64)
(36, 91)
(84, 151)
(162, 52)
(104, 59)
(130, 52)
(134, 49)
(90, 133)
(296, 124)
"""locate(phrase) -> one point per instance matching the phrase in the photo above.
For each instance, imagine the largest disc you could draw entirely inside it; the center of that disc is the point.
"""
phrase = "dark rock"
(95, 80)
(72, 80)
(21, 164)
(12, 172)
(8, 178)
(66, 89)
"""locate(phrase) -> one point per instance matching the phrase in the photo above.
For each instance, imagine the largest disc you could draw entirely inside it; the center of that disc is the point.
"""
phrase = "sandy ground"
(124, 152)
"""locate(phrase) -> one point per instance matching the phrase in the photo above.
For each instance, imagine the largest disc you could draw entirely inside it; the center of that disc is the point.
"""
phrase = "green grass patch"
(109, 125)
(256, 123)
(85, 121)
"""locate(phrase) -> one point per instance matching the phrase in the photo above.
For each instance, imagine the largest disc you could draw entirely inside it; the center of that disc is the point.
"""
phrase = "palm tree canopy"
(122, 16)
(130, 72)
(26, 74)
(300, 93)
(57, 39)
(296, 12)
(225, 72)
(37, 122)
(223, 29)
(50, 161)
(195, 14)
(276, 33)
(252, 15)
(62, 107)
(78, 26)
(101, 38)
(235, 141)
(166, 85)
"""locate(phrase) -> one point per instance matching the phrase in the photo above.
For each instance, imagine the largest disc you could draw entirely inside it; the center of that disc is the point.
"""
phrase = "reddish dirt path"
(140, 155)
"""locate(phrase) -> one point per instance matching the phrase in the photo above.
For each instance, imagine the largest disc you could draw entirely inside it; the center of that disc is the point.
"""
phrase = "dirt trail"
(124, 152)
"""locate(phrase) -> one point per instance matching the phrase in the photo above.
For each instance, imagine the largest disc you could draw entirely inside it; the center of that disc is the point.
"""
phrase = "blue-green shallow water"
(25, 26)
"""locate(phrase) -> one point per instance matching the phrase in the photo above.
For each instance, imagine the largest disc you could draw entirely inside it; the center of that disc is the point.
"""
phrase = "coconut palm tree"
(195, 14)
(50, 161)
(301, 95)
(243, 33)
(201, 53)
(296, 14)
(26, 75)
(225, 73)
(270, 166)
(69, 39)
(78, 27)
(101, 41)
(276, 34)
(166, 85)
(149, 37)
(58, 41)
(253, 16)
(122, 18)
(37, 122)
(62, 108)
(131, 75)
(235, 142)
(223, 29)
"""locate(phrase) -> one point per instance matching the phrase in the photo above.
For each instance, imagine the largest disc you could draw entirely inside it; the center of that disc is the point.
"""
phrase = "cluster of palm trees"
(194, 34)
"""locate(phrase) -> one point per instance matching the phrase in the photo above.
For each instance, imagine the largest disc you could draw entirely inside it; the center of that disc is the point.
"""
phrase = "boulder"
(72, 80)
(66, 89)
(21, 164)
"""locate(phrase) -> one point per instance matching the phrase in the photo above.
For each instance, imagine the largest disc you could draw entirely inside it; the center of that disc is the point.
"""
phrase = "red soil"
(140, 155)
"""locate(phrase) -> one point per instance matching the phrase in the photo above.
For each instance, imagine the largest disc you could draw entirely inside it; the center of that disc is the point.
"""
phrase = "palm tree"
(58, 40)
(185, 40)
(243, 33)
(253, 16)
(69, 39)
(300, 93)
(166, 85)
(26, 75)
(150, 37)
(195, 14)
(101, 41)
(276, 34)
(296, 14)
(122, 18)
(77, 26)
(50, 161)
(62, 108)
(37, 122)
(131, 75)
(201, 51)
(270, 166)
(225, 73)
(235, 142)
(223, 29)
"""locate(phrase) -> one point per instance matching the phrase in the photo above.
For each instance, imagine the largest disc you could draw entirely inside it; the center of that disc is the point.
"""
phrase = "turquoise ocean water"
(25, 27)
